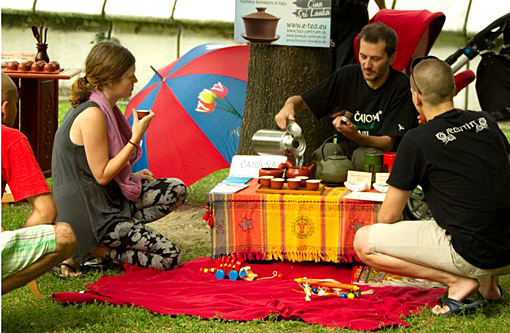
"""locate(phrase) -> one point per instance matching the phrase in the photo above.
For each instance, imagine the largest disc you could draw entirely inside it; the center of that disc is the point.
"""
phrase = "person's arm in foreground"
(393, 205)
(92, 127)
(350, 131)
(292, 105)
(44, 210)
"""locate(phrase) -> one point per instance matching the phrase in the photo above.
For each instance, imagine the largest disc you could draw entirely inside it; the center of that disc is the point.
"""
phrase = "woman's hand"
(145, 174)
(140, 126)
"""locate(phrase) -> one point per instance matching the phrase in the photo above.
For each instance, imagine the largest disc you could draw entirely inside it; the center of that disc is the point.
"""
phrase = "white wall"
(70, 48)
(158, 48)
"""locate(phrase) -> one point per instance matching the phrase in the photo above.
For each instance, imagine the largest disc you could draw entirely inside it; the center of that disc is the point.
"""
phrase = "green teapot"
(333, 168)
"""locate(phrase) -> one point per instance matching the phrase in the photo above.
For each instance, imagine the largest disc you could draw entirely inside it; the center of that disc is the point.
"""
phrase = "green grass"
(21, 312)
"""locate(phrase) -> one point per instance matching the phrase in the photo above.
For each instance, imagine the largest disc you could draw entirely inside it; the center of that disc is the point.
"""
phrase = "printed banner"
(283, 22)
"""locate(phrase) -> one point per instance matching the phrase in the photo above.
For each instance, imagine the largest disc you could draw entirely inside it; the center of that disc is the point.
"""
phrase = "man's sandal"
(461, 308)
(501, 299)
(97, 264)
(57, 271)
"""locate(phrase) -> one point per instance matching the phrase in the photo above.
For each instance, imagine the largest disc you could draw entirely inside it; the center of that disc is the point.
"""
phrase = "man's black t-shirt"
(460, 158)
(388, 110)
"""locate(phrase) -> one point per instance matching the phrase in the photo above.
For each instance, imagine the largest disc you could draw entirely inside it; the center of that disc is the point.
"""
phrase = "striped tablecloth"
(292, 227)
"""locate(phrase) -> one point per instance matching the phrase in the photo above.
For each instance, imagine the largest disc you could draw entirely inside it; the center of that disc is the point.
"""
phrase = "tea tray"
(286, 190)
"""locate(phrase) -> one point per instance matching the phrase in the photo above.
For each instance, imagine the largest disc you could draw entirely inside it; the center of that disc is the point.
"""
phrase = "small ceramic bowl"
(303, 180)
(266, 181)
(37, 66)
(56, 63)
(13, 66)
(277, 183)
(142, 113)
(356, 187)
(312, 184)
(275, 172)
(293, 183)
(49, 67)
(381, 188)
(25, 66)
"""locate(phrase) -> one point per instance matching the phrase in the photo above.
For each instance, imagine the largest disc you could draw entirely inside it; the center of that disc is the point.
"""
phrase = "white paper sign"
(382, 177)
(249, 165)
(360, 177)
(367, 196)
(301, 22)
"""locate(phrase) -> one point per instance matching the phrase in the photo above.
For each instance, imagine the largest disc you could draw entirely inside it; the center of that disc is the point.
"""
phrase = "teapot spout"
(310, 167)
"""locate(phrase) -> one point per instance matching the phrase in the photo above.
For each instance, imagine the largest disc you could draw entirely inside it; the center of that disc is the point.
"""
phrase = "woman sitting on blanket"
(94, 189)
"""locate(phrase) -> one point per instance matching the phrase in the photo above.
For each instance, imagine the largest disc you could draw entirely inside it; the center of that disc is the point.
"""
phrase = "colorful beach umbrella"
(198, 101)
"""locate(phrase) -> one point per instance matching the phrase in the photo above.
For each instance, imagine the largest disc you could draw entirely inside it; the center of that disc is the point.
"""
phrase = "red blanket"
(188, 291)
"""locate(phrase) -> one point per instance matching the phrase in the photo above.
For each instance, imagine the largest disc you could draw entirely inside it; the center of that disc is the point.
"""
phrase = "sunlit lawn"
(21, 312)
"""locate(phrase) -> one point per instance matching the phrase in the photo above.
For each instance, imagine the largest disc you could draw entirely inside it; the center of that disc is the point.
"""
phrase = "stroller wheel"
(416, 207)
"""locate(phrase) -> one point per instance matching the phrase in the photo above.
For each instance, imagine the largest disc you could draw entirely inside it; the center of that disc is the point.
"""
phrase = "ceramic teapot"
(333, 168)
(295, 171)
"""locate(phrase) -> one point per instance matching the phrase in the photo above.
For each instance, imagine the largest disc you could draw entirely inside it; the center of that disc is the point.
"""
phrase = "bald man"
(461, 160)
(41, 244)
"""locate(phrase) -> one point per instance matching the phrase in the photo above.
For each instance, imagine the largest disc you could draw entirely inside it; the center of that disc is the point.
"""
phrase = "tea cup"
(266, 181)
(277, 183)
(293, 183)
(312, 184)
(303, 180)
(142, 113)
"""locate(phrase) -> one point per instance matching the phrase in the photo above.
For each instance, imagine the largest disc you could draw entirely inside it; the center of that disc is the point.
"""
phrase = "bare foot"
(438, 309)
(459, 289)
(68, 268)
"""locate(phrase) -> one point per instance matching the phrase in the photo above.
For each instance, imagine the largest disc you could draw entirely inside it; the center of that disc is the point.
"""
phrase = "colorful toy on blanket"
(235, 268)
(230, 267)
(328, 287)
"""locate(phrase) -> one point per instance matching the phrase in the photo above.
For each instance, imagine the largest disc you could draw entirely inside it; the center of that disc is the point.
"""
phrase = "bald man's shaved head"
(435, 79)
(9, 100)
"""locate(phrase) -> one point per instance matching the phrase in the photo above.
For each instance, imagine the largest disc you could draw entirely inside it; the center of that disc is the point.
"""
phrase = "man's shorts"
(427, 244)
(23, 247)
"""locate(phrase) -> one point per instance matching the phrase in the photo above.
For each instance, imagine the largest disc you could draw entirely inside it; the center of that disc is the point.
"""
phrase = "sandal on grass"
(58, 272)
(461, 308)
(501, 299)
(96, 263)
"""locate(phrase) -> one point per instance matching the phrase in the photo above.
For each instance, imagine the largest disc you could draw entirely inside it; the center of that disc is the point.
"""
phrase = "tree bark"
(274, 74)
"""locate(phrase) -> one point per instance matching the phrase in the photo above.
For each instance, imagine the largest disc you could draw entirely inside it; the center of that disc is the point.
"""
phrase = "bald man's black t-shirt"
(460, 158)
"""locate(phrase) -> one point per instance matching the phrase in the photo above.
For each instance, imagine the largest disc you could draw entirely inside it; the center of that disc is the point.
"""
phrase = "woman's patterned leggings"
(136, 243)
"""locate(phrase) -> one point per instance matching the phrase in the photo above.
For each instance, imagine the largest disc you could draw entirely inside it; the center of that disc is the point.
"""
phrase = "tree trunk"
(274, 74)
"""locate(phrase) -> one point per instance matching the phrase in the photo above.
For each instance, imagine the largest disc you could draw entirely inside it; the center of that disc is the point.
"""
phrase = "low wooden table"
(38, 110)
(261, 226)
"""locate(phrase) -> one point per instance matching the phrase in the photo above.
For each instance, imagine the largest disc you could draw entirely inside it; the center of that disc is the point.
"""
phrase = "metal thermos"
(276, 142)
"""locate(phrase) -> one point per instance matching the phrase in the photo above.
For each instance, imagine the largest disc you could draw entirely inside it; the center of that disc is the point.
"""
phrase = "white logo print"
(367, 118)
(445, 138)
(400, 127)
(479, 125)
